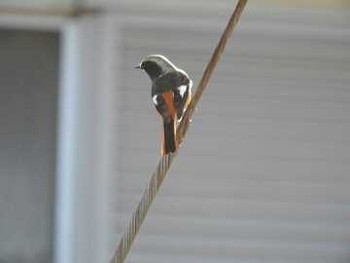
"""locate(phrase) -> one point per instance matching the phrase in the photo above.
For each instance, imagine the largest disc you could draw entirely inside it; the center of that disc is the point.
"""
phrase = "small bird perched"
(171, 93)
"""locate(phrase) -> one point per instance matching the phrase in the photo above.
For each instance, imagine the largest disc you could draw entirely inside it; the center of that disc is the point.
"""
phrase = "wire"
(165, 162)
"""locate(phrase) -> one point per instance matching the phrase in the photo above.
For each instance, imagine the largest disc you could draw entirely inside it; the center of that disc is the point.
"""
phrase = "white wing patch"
(182, 89)
(155, 99)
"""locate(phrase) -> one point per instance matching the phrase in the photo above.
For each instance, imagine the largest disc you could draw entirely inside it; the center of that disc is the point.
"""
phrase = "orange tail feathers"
(169, 144)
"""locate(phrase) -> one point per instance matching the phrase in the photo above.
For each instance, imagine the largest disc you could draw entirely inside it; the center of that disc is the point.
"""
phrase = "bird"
(171, 94)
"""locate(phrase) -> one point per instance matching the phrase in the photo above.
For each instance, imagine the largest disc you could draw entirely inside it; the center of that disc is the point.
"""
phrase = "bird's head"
(156, 65)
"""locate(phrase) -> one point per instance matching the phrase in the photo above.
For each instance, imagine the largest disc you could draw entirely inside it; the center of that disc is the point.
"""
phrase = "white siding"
(263, 175)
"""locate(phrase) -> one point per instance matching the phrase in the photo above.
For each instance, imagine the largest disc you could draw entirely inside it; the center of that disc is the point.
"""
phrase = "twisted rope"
(165, 162)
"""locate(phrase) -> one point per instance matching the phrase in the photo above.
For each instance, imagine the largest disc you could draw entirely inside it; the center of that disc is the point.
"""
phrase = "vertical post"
(67, 150)
(86, 139)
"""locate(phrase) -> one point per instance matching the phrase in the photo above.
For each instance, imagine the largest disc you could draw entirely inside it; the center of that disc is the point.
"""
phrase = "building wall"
(192, 5)
(263, 173)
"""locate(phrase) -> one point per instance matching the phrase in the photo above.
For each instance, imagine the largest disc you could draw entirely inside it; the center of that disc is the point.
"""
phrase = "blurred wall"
(263, 175)
(59, 6)
(28, 106)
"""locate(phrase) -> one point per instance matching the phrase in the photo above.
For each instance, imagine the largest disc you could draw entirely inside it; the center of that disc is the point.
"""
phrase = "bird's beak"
(138, 66)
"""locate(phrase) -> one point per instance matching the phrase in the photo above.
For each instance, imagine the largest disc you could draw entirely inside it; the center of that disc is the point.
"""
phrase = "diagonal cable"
(165, 162)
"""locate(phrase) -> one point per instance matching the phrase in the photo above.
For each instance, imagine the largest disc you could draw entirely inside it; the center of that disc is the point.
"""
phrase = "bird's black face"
(152, 69)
